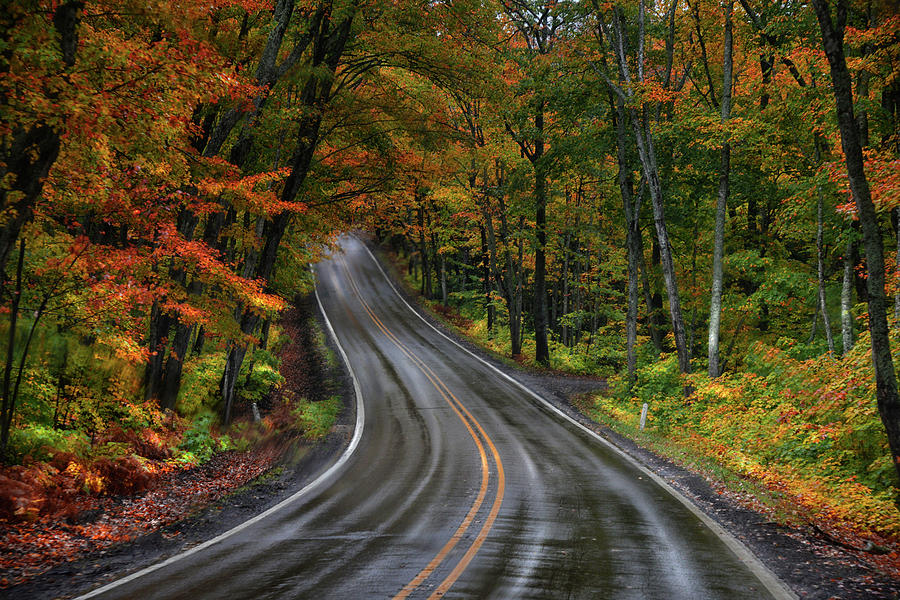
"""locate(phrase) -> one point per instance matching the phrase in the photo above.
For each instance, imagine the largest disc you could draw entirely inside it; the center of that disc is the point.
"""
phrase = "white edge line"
(354, 442)
(772, 583)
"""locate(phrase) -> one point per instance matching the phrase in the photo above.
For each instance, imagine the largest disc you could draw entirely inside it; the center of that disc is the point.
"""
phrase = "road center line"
(457, 406)
(769, 580)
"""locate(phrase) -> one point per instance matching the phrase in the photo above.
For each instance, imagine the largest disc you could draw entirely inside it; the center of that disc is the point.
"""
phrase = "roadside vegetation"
(791, 432)
(72, 492)
(82, 434)
(699, 201)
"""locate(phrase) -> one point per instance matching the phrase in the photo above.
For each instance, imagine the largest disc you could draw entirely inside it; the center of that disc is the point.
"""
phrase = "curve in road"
(405, 514)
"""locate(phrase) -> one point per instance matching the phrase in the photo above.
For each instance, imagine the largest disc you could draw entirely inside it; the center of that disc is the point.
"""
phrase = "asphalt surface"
(460, 485)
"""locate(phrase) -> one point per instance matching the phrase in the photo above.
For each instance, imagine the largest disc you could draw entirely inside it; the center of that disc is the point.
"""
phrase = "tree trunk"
(8, 402)
(640, 123)
(171, 383)
(160, 324)
(633, 249)
(233, 363)
(896, 215)
(846, 288)
(328, 48)
(198, 341)
(647, 155)
(715, 302)
(820, 264)
(564, 291)
(443, 279)
(651, 299)
(425, 287)
(542, 350)
(885, 378)
(486, 279)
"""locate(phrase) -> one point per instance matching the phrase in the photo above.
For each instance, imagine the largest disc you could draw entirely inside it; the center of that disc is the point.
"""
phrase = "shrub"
(200, 384)
(806, 429)
(255, 385)
(41, 443)
(199, 440)
(316, 419)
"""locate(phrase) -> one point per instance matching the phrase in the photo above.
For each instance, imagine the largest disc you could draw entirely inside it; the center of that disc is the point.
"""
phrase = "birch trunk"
(820, 268)
(846, 289)
(715, 302)
(632, 242)
(643, 134)
(542, 350)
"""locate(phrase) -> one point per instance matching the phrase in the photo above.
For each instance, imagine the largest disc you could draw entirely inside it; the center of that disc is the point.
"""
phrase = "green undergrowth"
(802, 436)
(600, 354)
(316, 419)
(84, 427)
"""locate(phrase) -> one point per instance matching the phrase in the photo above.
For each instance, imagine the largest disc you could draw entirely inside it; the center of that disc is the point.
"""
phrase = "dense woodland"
(698, 200)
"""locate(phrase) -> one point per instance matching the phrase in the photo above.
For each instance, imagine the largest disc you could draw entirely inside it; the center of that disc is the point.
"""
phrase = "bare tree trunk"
(647, 154)
(516, 275)
(896, 214)
(632, 207)
(820, 265)
(425, 287)
(715, 302)
(160, 323)
(648, 160)
(846, 288)
(654, 326)
(8, 402)
(443, 279)
(486, 276)
(542, 350)
(171, 383)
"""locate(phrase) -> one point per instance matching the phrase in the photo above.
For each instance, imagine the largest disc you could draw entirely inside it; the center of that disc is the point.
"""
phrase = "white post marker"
(643, 416)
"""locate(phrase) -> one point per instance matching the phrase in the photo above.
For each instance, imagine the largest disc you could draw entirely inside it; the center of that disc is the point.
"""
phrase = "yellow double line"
(469, 421)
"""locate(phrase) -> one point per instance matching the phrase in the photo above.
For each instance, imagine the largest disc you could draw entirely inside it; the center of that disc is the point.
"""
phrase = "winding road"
(459, 483)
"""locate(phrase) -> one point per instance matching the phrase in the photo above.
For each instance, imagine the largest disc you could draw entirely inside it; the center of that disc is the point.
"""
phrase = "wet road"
(460, 485)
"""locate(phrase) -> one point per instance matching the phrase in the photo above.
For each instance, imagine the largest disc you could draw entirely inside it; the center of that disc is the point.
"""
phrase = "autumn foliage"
(587, 186)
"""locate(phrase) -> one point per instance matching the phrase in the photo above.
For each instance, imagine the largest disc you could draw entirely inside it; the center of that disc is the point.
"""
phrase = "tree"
(31, 139)
(715, 303)
(539, 25)
(832, 26)
(615, 32)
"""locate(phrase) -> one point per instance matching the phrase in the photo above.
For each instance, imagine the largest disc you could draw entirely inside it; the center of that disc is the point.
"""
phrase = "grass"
(316, 419)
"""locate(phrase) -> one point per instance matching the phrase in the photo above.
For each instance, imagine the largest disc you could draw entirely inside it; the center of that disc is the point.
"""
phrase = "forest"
(697, 200)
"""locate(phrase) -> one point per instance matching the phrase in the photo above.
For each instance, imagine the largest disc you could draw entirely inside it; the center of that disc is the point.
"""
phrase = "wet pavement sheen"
(575, 519)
